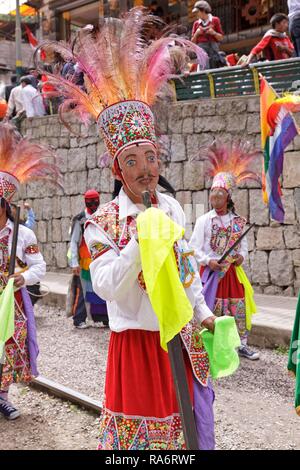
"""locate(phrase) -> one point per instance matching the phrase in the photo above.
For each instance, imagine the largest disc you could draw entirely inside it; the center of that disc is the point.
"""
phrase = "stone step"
(272, 325)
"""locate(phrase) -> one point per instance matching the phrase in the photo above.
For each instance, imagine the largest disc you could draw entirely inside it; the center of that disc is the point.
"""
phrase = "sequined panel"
(98, 249)
(137, 433)
(126, 122)
(235, 308)
(8, 185)
(223, 238)
(193, 343)
(17, 363)
(32, 249)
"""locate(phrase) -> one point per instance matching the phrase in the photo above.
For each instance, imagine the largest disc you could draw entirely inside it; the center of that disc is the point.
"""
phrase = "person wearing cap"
(87, 309)
(217, 230)
(207, 33)
(32, 100)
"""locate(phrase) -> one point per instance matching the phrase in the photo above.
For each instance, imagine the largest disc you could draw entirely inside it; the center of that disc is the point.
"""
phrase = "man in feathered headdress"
(20, 162)
(217, 230)
(123, 77)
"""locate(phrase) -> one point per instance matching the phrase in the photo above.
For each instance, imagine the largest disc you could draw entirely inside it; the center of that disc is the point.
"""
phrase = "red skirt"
(141, 410)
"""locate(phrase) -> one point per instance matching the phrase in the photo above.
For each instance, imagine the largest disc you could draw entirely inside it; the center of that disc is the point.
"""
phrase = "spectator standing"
(32, 100)
(8, 88)
(294, 17)
(29, 221)
(207, 33)
(15, 102)
(156, 10)
(275, 44)
(34, 77)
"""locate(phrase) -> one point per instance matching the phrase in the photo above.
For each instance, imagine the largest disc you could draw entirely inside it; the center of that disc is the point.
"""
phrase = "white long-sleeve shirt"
(27, 252)
(201, 238)
(32, 102)
(294, 8)
(115, 273)
(15, 101)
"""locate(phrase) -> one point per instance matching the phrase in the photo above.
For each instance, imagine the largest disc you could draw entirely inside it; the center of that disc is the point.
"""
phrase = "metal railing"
(238, 81)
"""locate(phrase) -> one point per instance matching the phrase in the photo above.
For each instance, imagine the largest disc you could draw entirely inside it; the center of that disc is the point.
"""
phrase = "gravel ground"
(253, 408)
(76, 358)
(47, 423)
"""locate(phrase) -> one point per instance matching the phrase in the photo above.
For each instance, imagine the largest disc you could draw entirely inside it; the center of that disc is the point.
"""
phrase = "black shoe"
(246, 352)
(8, 410)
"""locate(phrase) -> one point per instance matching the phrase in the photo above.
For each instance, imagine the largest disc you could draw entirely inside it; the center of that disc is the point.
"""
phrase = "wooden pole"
(180, 379)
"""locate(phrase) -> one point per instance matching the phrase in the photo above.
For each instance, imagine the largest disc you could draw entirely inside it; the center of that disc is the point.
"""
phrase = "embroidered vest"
(119, 234)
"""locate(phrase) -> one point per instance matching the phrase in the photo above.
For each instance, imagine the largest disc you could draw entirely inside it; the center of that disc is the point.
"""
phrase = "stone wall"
(274, 250)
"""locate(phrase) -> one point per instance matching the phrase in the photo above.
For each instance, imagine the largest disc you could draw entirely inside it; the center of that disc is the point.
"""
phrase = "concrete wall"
(274, 250)
(8, 57)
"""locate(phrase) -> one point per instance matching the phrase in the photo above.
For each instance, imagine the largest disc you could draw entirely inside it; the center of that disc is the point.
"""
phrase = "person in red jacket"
(275, 44)
(207, 33)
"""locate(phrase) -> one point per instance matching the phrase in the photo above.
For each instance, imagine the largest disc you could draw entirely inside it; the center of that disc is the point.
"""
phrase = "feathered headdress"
(123, 76)
(229, 164)
(22, 161)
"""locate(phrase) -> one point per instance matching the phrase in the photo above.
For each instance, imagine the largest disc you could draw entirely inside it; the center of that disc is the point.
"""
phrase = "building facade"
(244, 21)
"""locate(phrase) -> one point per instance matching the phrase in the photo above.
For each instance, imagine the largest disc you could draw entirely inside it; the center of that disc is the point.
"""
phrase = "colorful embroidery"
(184, 265)
(8, 185)
(120, 234)
(98, 249)
(4, 255)
(235, 308)
(17, 363)
(118, 432)
(192, 340)
(126, 122)
(223, 238)
(32, 250)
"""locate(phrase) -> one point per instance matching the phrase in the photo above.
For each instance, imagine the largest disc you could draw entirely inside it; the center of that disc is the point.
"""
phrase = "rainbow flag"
(278, 129)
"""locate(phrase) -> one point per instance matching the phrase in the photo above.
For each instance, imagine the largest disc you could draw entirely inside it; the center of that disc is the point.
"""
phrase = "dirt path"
(253, 408)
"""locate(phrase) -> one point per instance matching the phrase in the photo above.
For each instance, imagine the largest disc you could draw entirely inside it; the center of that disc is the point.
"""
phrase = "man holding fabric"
(140, 409)
(147, 407)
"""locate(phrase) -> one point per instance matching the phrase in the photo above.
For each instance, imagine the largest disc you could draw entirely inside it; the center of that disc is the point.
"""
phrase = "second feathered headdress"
(22, 161)
(229, 164)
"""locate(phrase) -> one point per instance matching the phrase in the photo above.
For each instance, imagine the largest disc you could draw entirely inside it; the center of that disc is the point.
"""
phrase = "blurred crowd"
(34, 96)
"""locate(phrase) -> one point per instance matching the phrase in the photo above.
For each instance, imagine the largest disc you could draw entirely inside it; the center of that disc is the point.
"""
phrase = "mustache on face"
(142, 177)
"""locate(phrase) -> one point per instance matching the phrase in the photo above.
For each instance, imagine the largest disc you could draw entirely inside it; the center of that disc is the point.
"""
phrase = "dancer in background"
(20, 162)
(218, 229)
(88, 309)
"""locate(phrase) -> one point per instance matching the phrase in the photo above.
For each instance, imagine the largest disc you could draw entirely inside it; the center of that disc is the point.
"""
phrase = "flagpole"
(11, 270)
(18, 38)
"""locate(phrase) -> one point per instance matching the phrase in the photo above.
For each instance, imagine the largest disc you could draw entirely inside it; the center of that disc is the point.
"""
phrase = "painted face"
(218, 198)
(139, 165)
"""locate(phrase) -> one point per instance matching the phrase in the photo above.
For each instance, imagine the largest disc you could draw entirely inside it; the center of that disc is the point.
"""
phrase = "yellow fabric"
(157, 234)
(249, 293)
(7, 314)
